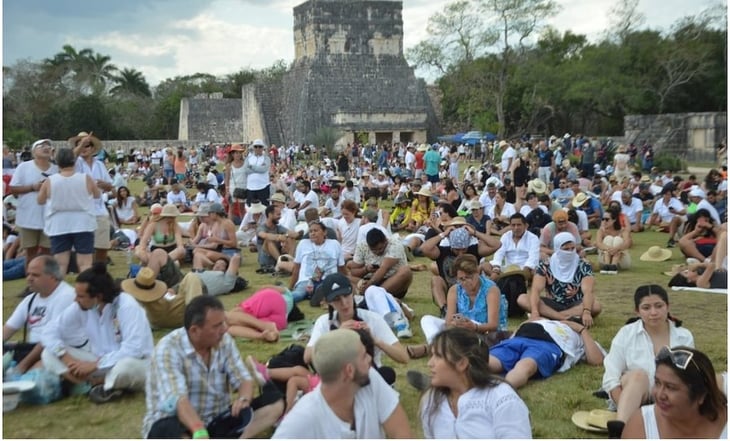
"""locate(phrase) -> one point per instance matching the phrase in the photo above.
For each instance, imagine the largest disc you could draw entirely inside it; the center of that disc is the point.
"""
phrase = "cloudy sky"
(166, 38)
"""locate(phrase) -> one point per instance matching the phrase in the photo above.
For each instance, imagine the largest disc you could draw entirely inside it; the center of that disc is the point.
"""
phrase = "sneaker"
(398, 324)
(259, 370)
(590, 250)
(98, 395)
(671, 243)
(611, 269)
(418, 380)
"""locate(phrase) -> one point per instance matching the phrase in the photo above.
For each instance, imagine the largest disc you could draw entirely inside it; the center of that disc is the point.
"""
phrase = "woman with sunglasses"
(688, 402)
(474, 303)
(465, 400)
(613, 241)
(629, 367)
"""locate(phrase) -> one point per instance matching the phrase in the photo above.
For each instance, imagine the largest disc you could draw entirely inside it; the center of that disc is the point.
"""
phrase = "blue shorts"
(433, 178)
(547, 355)
(83, 242)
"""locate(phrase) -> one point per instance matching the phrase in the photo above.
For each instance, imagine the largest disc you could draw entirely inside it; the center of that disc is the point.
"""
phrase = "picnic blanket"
(693, 288)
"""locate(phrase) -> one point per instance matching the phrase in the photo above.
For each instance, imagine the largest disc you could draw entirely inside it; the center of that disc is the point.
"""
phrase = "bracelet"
(586, 309)
(200, 433)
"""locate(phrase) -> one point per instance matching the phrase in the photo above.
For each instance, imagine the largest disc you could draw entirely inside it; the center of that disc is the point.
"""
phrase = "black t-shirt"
(445, 263)
(718, 280)
(343, 164)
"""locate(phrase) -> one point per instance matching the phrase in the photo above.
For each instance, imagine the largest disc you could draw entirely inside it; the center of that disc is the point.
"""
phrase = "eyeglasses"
(681, 358)
(606, 218)
(465, 278)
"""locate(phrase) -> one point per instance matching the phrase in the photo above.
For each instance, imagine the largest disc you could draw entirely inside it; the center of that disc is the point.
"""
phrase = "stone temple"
(349, 74)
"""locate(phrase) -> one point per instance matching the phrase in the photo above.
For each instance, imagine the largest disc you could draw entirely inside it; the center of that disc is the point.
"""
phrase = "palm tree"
(130, 82)
(99, 72)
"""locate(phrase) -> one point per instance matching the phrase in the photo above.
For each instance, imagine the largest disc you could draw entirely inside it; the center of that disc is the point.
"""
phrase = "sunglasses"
(607, 218)
(680, 358)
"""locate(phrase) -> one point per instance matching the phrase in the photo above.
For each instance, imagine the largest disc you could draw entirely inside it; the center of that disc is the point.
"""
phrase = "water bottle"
(130, 252)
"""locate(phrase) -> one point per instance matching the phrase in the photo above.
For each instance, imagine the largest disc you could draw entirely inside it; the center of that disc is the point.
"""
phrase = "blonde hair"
(333, 351)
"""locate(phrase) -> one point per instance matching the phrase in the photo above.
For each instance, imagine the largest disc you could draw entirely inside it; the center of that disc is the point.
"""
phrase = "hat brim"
(646, 257)
(94, 140)
(144, 295)
(515, 272)
(582, 419)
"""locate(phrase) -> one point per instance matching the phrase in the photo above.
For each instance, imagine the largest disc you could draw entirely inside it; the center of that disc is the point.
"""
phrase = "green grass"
(551, 402)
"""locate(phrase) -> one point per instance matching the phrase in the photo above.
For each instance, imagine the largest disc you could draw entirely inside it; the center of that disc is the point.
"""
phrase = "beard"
(362, 379)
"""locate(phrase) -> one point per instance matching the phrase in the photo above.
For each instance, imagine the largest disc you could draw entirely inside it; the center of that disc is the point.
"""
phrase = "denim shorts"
(82, 242)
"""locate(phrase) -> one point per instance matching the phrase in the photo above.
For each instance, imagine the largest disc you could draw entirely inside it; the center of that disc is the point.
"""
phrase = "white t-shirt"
(363, 230)
(630, 210)
(490, 413)
(312, 417)
(379, 329)
(662, 209)
(335, 208)
(508, 154)
(507, 210)
(28, 214)
(326, 258)
(353, 195)
(348, 233)
(42, 310)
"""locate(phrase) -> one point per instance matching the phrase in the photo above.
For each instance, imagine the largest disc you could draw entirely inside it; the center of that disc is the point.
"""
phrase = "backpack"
(536, 221)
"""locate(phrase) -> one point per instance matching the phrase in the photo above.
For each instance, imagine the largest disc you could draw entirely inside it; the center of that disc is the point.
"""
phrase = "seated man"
(383, 263)
(591, 206)
(542, 347)
(103, 338)
(181, 405)
(50, 295)
(559, 224)
(178, 198)
(353, 401)
(632, 208)
(668, 213)
(273, 240)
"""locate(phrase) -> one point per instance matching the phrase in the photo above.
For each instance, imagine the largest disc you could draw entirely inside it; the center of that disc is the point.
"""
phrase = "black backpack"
(536, 221)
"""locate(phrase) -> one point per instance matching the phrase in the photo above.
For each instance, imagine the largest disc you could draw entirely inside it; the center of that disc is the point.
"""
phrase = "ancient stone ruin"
(349, 74)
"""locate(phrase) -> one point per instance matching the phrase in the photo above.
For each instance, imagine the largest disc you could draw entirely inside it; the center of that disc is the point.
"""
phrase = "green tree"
(130, 82)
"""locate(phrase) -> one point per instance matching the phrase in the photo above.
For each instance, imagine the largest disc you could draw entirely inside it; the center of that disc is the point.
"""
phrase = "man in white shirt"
(333, 205)
(697, 196)
(103, 338)
(50, 295)
(352, 401)
(351, 192)
(24, 184)
(177, 197)
(632, 208)
(508, 155)
(487, 197)
(668, 213)
(519, 249)
(410, 159)
(304, 198)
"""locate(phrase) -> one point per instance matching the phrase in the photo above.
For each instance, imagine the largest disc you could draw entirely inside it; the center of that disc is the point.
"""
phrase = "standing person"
(688, 402)
(235, 180)
(25, 183)
(545, 161)
(85, 147)
(629, 367)
(588, 159)
(118, 340)
(621, 163)
(465, 400)
(50, 296)
(432, 160)
(352, 400)
(258, 179)
(70, 220)
(180, 405)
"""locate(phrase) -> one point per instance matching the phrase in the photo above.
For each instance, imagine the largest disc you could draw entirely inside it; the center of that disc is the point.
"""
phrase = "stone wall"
(693, 136)
(212, 118)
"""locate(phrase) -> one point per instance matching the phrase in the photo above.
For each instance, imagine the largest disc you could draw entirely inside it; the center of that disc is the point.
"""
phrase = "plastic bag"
(47, 387)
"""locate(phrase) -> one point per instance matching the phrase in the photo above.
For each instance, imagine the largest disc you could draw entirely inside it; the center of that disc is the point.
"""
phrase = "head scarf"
(563, 263)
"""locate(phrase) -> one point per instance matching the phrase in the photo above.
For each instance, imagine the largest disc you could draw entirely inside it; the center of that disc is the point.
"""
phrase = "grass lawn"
(551, 402)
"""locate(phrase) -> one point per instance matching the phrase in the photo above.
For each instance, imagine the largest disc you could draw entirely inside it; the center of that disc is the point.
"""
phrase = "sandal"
(417, 351)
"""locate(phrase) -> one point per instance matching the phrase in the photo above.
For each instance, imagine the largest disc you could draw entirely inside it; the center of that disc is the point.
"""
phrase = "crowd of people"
(506, 239)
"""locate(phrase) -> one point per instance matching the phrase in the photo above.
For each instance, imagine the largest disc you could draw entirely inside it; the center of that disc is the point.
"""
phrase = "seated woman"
(215, 239)
(162, 232)
(500, 213)
(421, 208)
(701, 237)
(712, 274)
(470, 194)
(613, 241)
(688, 402)
(629, 367)
(474, 302)
(568, 280)
(450, 194)
(261, 316)
(400, 217)
(465, 400)
(125, 207)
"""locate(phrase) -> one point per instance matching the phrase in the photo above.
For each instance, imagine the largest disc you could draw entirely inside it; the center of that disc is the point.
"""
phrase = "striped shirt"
(177, 371)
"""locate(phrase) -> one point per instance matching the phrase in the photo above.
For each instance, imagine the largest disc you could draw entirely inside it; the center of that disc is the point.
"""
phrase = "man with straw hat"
(85, 147)
(164, 309)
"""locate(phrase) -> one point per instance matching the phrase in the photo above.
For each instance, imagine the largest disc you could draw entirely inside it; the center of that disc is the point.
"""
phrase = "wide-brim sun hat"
(514, 270)
(237, 148)
(458, 221)
(593, 420)
(278, 197)
(579, 199)
(536, 186)
(656, 254)
(424, 192)
(145, 287)
(94, 140)
(422, 148)
(169, 210)
(257, 207)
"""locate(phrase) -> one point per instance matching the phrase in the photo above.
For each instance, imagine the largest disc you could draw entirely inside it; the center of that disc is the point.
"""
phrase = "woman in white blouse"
(629, 366)
(465, 400)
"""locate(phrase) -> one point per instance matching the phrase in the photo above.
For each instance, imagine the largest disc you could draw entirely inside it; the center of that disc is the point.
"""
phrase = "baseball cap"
(333, 286)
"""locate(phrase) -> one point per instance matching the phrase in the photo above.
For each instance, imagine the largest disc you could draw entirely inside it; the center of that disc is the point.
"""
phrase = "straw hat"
(537, 186)
(476, 204)
(424, 192)
(513, 270)
(94, 140)
(458, 221)
(203, 210)
(579, 199)
(593, 421)
(278, 197)
(257, 207)
(237, 148)
(422, 148)
(656, 254)
(676, 269)
(566, 163)
(503, 143)
(169, 210)
(144, 287)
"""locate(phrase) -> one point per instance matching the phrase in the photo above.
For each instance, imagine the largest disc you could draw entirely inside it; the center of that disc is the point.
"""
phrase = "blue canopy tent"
(470, 138)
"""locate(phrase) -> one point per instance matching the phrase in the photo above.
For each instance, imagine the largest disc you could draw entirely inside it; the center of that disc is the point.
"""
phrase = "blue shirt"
(478, 312)
(432, 160)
